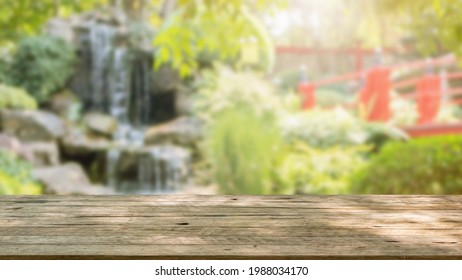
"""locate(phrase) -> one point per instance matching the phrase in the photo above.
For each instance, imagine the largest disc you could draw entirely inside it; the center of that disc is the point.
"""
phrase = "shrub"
(5, 61)
(15, 98)
(380, 133)
(421, 166)
(243, 149)
(405, 113)
(15, 176)
(223, 88)
(324, 128)
(329, 128)
(307, 170)
(42, 65)
(3, 70)
(328, 97)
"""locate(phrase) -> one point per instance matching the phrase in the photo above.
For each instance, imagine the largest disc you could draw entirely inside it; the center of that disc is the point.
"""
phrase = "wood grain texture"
(231, 227)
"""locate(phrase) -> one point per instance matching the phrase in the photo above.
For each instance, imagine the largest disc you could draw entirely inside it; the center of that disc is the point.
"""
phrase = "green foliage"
(324, 128)
(21, 18)
(421, 166)
(223, 88)
(404, 112)
(15, 176)
(329, 128)
(307, 170)
(288, 79)
(243, 149)
(15, 98)
(3, 70)
(222, 27)
(434, 25)
(260, 143)
(42, 65)
(380, 133)
(329, 97)
(243, 145)
(325, 96)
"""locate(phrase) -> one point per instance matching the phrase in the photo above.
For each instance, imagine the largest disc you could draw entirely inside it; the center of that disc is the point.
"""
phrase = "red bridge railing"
(374, 97)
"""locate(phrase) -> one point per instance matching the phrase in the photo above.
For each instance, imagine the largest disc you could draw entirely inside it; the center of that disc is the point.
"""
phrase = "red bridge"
(374, 98)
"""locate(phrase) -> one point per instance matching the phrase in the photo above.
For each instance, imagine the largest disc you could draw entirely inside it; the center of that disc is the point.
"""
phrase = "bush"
(307, 170)
(324, 128)
(405, 113)
(222, 89)
(421, 166)
(243, 149)
(15, 98)
(329, 128)
(5, 61)
(3, 70)
(15, 176)
(328, 97)
(42, 65)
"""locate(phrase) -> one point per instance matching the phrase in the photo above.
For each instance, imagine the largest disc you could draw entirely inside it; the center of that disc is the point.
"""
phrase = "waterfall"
(112, 159)
(116, 79)
(145, 168)
(113, 79)
(101, 46)
(119, 84)
(157, 169)
(141, 88)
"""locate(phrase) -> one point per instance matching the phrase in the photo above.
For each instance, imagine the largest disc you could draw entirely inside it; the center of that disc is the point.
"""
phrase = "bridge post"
(374, 99)
(307, 95)
(428, 98)
(306, 90)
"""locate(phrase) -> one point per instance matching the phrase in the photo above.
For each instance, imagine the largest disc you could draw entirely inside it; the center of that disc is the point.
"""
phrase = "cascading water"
(101, 41)
(155, 169)
(112, 158)
(116, 79)
(119, 86)
(141, 88)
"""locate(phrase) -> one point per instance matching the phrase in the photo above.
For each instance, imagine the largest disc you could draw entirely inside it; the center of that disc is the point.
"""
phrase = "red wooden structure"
(374, 97)
(307, 94)
(428, 98)
(433, 129)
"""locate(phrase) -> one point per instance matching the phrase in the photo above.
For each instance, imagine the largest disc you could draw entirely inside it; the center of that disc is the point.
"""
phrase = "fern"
(42, 65)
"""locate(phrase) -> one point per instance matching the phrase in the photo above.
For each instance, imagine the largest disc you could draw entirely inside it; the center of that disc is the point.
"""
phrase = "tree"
(221, 27)
(26, 17)
(434, 25)
(186, 28)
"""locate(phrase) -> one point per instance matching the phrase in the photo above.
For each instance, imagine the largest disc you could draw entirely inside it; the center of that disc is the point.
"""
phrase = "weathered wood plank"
(160, 227)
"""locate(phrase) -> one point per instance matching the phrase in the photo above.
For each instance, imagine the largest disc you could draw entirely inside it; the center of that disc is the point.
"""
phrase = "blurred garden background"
(230, 97)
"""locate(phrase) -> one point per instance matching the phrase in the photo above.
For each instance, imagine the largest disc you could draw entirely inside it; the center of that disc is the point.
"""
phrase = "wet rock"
(101, 124)
(32, 125)
(36, 153)
(87, 151)
(183, 131)
(66, 105)
(183, 102)
(66, 180)
(166, 79)
(13, 145)
(75, 144)
(162, 168)
(43, 153)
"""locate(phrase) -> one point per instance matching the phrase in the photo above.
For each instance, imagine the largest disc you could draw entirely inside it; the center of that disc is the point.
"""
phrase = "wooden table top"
(231, 227)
